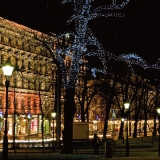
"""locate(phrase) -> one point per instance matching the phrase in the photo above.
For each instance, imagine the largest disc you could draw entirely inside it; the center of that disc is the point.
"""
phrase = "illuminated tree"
(72, 55)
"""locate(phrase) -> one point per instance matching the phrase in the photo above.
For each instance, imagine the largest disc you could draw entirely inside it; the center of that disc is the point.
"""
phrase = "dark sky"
(138, 32)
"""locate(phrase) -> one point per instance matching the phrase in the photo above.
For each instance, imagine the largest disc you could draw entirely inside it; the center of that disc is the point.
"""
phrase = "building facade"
(31, 89)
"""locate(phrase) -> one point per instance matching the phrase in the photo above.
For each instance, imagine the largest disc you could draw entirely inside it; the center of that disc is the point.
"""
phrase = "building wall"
(32, 82)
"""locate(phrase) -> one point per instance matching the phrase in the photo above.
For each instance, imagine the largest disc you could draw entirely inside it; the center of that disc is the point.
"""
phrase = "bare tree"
(72, 56)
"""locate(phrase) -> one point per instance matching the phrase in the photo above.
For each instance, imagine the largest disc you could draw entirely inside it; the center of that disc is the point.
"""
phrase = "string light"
(134, 59)
(83, 37)
(156, 65)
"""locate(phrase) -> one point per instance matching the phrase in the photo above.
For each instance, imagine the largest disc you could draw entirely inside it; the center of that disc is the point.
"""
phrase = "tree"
(71, 57)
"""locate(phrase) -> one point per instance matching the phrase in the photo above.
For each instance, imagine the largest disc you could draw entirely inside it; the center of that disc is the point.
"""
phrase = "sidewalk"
(57, 156)
(83, 154)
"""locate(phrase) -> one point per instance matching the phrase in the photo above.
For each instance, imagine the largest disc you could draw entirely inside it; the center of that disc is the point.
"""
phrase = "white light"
(29, 116)
(7, 70)
(126, 105)
(94, 121)
(83, 37)
(53, 114)
(1, 114)
(158, 110)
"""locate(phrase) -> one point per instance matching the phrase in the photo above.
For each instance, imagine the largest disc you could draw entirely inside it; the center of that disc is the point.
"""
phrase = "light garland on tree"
(134, 59)
(156, 65)
(83, 37)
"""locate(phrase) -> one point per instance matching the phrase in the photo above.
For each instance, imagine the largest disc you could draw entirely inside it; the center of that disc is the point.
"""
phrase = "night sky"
(138, 32)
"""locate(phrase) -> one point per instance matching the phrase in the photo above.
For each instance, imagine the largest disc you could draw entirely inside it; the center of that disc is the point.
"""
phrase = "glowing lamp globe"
(158, 110)
(126, 105)
(7, 70)
(53, 114)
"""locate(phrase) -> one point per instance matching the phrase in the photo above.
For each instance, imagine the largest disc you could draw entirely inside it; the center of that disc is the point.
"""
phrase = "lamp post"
(122, 121)
(126, 106)
(158, 110)
(7, 71)
(53, 114)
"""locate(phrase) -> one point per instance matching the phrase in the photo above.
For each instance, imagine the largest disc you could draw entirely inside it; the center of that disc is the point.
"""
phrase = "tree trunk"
(42, 129)
(135, 129)
(83, 99)
(57, 106)
(69, 111)
(42, 125)
(121, 135)
(154, 129)
(106, 122)
(145, 128)
(105, 128)
(121, 131)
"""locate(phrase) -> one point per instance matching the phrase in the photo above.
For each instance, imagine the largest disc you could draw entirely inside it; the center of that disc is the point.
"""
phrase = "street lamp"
(122, 121)
(126, 106)
(53, 114)
(158, 110)
(7, 71)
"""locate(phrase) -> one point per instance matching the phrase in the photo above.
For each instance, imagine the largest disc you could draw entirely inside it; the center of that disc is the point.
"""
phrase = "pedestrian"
(19, 136)
(95, 143)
